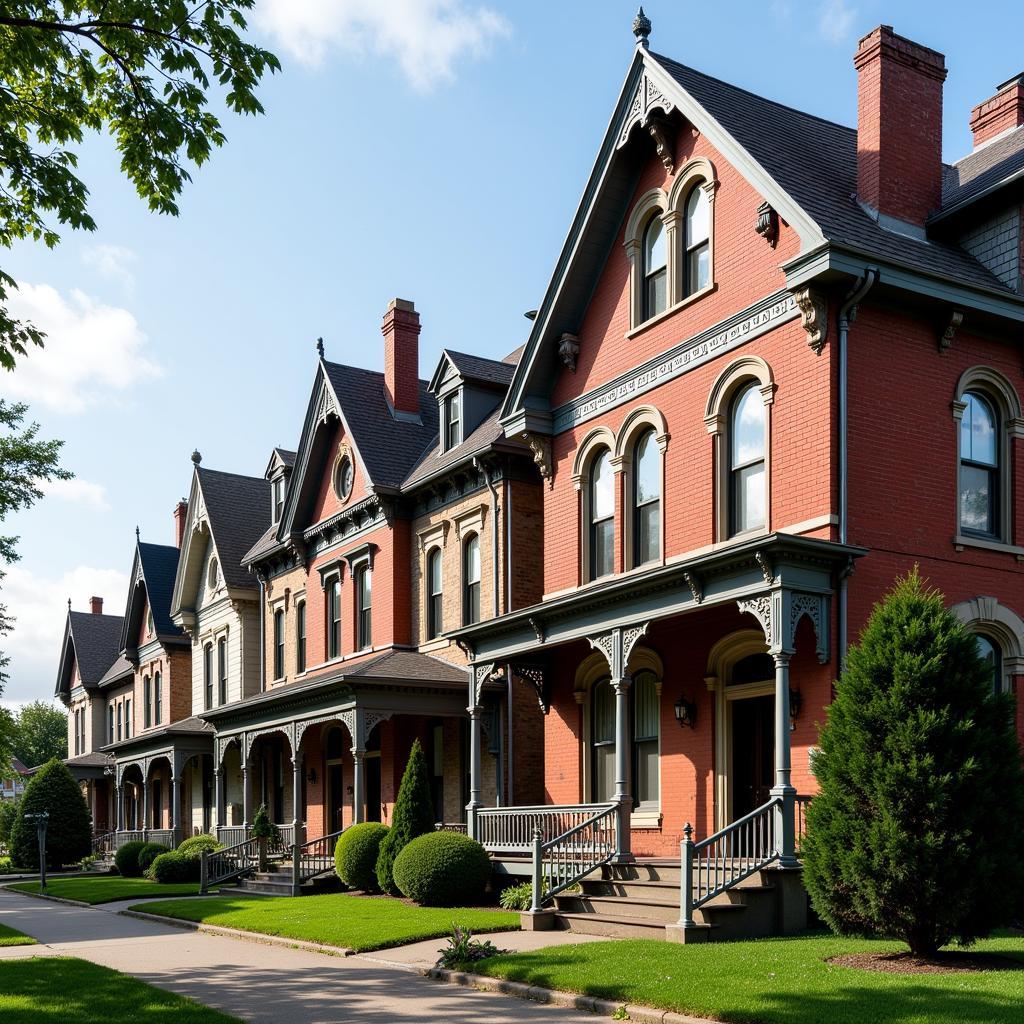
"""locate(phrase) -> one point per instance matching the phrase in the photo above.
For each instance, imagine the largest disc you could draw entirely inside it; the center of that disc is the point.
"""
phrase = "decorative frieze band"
(746, 325)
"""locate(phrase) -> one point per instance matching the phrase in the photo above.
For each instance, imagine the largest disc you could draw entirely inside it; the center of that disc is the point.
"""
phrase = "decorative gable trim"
(647, 97)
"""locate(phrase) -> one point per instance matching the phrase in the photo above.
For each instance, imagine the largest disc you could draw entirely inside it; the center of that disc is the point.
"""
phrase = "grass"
(338, 919)
(58, 990)
(12, 937)
(772, 981)
(106, 888)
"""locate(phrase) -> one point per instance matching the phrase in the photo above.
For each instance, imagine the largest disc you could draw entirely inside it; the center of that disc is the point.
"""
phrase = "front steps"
(277, 881)
(641, 900)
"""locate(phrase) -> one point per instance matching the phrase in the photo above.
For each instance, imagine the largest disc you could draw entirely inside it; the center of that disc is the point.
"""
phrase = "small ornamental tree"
(914, 832)
(69, 828)
(412, 817)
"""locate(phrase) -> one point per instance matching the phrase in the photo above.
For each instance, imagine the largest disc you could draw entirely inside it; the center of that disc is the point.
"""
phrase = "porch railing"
(218, 866)
(286, 841)
(137, 835)
(512, 829)
(160, 835)
(312, 858)
(231, 835)
(802, 803)
(714, 865)
(565, 859)
(103, 844)
(450, 826)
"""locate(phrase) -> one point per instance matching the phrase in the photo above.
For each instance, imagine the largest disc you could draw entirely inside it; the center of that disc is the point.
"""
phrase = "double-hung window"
(364, 590)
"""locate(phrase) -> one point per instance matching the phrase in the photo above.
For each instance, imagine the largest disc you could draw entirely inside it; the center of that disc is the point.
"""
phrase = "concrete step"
(615, 906)
(612, 926)
(267, 888)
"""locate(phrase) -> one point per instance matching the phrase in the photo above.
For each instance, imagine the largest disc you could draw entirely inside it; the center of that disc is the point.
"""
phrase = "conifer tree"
(412, 817)
(915, 832)
(69, 828)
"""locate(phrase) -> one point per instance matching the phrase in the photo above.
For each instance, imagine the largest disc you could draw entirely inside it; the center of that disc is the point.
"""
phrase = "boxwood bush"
(355, 855)
(194, 845)
(174, 867)
(149, 853)
(442, 869)
(126, 860)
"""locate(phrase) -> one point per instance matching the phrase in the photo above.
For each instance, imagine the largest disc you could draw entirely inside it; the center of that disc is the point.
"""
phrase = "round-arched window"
(979, 466)
(602, 516)
(746, 461)
(698, 245)
(990, 653)
(655, 267)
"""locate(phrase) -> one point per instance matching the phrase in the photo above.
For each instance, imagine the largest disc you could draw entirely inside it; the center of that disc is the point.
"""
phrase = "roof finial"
(136, 533)
(320, 347)
(641, 28)
(69, 604)
(196, 457)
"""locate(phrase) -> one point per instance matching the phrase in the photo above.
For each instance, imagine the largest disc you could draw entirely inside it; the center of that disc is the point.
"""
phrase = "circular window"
(343, 475)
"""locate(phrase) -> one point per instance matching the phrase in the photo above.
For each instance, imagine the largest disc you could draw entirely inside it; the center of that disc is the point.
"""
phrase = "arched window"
(698, 242)
(279, 643)
(158, 698)
(208, 676)
(119, 714)
(989, 652)
(300, 637)
(435, 596)
(147, 710)
(646, 732)
(471, 580)
(213, 574)
(334, 619)
(655, 257)
(110, 719)
(602, 740)
(602, 516)
(127, 721)
(979, 466)
(222, 671)
(747, 461)
(646, 500)
(364, 589)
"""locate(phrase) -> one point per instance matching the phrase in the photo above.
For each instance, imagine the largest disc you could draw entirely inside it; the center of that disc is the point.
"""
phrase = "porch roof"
(709, 577)
(84, 766)
(192, 732)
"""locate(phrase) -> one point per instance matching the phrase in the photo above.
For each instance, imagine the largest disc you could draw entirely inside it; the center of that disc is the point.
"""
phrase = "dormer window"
(452, 420)
(277, 490)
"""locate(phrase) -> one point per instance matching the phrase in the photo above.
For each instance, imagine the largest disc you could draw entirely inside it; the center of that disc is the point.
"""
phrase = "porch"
(680, 712)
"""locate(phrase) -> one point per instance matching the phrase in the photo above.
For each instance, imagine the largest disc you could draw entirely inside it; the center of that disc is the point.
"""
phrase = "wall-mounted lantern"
(686, 712)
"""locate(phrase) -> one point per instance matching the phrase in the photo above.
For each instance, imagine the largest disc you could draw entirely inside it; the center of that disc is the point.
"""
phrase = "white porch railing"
(565, 859)
(231, 835)
(802, 803)
(722, 860)
(161, 835)
(128, 836)
(513, 829)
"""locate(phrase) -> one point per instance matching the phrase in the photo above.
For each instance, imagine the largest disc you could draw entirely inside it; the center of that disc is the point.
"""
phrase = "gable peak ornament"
(320, 347)
(642, 28)
(196, 457)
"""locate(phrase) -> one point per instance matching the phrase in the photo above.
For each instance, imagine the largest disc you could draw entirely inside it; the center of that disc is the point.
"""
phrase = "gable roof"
(153, 571)
(91, 641)
(804, 166)
(238, 509)
(490, 372)
(982, 171)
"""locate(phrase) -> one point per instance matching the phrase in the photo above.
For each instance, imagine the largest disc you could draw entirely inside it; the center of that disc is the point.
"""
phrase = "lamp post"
(41, 819)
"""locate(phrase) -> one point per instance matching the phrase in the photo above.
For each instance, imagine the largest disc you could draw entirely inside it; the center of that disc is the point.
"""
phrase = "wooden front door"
(753, 753)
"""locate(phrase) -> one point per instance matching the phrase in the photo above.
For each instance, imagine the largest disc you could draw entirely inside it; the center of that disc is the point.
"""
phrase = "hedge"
(173, 867)
(194, 845)
(442, 869)
(126, 859)
(149, 853)
(356, 853)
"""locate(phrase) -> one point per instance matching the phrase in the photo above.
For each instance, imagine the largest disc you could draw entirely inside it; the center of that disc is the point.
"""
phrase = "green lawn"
(338, 919)
(772, 981)
(12, 937)
(107, 888)
(55, 990)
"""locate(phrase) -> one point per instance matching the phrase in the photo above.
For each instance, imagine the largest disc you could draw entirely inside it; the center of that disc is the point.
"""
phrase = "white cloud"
(78, 492)
(426, 38)
(835, 19)
(39, 607)
(112, 262)
(93, 353)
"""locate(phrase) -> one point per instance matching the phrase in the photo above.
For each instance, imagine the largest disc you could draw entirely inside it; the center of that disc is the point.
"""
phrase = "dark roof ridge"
(363, 369)
(224, 472)
(756, 95)
(986, 145)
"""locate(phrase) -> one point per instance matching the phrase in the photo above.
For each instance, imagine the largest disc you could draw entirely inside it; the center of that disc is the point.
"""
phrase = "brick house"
(716, 387)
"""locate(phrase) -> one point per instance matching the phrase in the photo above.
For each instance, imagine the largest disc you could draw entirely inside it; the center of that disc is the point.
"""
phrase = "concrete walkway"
(264, 983)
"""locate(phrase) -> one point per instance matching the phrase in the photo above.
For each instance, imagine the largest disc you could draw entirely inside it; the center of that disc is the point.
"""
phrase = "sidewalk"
(261, 983)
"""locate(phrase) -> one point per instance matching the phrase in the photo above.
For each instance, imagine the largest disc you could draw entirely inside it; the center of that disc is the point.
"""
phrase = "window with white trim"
(602, 516)
(747, 461)
(434, 595)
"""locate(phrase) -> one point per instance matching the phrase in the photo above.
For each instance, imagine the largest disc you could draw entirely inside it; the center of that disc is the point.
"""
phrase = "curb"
(238, 933)
(571, 1000)
(52, 899)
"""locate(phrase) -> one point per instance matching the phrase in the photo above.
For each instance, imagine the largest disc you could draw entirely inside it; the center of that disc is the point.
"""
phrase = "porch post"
(358, 766)
(218, 798)
(144, 824)
(176, 808)
(246, 795)
(475, 770)
(118, 807)
(785, 825)
(623, 751)
(297, 798)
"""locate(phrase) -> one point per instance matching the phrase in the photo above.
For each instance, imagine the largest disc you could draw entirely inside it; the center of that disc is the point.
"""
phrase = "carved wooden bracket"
(813, 308)
(664, 137)
(956, 319)
(768, 224)
(568, 350)
(540, 447)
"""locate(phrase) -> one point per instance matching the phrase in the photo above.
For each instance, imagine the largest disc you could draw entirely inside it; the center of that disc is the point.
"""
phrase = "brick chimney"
(96, 605)
(899, 126)
(401, 329)
(1002, 112)
(180, 511)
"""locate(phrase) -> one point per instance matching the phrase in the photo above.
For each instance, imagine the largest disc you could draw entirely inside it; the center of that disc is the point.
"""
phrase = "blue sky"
(429, 149)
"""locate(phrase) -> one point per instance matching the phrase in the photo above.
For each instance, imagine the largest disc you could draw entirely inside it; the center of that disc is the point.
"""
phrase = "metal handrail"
(218, 866)
(512, 829)
(103, 843)
(312, 858)
(564, 860)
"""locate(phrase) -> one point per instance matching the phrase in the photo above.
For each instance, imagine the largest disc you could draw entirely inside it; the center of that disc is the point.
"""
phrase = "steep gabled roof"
(493, 373)
(238, 508)
(121, 670)
(153, 570)
(93, 641)
(994, 164)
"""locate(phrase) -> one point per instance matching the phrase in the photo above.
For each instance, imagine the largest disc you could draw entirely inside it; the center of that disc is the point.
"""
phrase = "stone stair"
(277, 881)
(640, 900)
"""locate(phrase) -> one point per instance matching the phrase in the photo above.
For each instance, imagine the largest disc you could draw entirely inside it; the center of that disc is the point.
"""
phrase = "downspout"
(847, 314)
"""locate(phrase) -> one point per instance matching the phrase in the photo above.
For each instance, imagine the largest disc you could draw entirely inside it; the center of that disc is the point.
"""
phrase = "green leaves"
(140, 70)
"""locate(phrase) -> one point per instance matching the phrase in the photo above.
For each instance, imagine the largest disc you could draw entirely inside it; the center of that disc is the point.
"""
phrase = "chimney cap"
(1018, 78)
(405, 305)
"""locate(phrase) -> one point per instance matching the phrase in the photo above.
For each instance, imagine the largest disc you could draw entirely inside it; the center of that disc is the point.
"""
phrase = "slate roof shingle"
(97, 640)
(238, 508)
(985, 167)
(159, 566)
(118, 670)
(484, 371)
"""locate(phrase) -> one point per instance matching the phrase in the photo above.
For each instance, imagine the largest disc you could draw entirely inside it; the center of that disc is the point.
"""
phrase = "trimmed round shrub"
(126, 860)
(441, 869)
(355, 855)
(413, 816)
(194, 846)
(69, 828)
(149, 853)
(173, 867)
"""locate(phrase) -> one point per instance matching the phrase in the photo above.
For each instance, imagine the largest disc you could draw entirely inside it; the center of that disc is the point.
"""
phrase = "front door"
(753, 753)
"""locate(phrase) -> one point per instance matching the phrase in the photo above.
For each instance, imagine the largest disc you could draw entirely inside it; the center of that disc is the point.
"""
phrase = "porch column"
(297, 798)
(246, 794)
(475, 770)
(144, 824)
(785, 824)
(358, 785)
(623, 757)
(218, 797)
(176, 808)
(118, 807)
